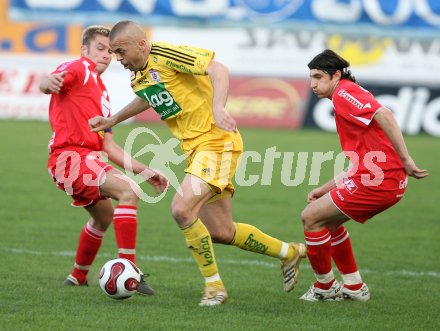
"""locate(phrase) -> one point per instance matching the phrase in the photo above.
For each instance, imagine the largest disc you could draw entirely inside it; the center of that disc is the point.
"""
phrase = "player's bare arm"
(52, 83)
(99, 123)
(385, 118)
(219, 76)
(320, 191)
(327, 187)
(118, 156)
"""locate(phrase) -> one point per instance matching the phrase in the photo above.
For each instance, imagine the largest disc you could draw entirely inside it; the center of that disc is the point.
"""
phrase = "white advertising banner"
(21, 98)
(286, 52)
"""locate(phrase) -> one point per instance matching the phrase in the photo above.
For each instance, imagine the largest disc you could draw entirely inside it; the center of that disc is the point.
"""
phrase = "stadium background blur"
(393, 46)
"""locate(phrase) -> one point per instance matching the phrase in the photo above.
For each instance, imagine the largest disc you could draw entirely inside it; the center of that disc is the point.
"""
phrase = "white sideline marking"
(155, 258)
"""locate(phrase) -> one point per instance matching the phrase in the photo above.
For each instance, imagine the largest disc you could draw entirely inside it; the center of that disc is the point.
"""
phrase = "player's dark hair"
(330, 62)
(90, 32)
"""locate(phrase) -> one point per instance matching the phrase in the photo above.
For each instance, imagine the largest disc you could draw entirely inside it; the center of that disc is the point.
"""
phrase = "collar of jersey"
(92, 64)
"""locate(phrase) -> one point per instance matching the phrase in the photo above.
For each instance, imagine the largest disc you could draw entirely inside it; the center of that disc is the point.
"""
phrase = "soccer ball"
(119, 278)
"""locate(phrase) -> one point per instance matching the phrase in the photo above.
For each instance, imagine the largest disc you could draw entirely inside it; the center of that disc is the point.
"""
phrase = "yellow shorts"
(214, 157)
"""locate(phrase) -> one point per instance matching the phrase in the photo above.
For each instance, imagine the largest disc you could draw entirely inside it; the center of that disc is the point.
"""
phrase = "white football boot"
(334, 293)
(363, 294)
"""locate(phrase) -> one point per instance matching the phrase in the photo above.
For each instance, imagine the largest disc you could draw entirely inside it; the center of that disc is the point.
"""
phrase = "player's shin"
(342, 254)
(199, 242)
(252, 239)
(89, 243)
(319, 254)
(125, 226)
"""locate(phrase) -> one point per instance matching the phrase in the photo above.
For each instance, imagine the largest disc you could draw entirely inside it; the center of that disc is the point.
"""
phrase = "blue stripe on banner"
(391, 13)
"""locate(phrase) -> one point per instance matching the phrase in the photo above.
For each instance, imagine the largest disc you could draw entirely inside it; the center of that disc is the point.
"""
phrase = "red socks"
(319, 254)
(125, 225)
(322, 247)
(89, 243)
(342, 254)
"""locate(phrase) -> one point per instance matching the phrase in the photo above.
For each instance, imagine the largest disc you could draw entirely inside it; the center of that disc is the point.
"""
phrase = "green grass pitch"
(397, 251)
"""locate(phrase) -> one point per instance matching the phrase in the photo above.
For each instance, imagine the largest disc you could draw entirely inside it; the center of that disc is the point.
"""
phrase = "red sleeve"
(69, 78)
(355, 104)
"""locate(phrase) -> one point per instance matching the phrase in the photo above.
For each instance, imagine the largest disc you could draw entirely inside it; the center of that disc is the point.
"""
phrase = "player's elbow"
(383, 113)
(217, 68)
(44, 89)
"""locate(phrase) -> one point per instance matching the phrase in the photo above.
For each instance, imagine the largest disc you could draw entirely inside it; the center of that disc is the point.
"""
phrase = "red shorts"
(360, 200)
(79, 172)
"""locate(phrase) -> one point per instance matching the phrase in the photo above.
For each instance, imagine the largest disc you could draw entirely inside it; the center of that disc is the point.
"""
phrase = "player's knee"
(222, 235)
(181, 213)
(101, 222)
(307, 218)
(129, 197)
(311, 221)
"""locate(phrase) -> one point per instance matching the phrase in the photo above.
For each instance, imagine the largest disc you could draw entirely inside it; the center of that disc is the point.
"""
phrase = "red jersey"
(362, 139)
(82, 97)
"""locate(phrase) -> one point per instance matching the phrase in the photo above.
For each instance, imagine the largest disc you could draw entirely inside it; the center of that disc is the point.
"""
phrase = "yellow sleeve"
(185, 59)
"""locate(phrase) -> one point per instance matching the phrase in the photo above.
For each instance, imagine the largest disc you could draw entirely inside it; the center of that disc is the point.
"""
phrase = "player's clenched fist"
(99, 123)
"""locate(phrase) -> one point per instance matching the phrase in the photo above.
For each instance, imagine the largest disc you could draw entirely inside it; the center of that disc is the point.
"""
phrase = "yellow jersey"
(175, 84)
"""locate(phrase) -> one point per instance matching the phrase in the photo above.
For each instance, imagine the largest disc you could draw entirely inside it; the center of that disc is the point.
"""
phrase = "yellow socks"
(199, 242)
(252, 239)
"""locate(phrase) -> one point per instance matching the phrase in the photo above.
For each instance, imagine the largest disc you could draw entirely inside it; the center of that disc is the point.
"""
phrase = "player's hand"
(412, 170)
(53, 83)
(156, 179)
(224, 120)
(99, 123)
(314, 194)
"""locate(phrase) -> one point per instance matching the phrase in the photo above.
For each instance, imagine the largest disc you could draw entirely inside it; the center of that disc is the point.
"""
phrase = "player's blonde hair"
(91, 31)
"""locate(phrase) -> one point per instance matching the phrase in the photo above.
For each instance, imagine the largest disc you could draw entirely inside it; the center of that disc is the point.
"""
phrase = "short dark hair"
(90, 32)
(330, 62)
(118, 27)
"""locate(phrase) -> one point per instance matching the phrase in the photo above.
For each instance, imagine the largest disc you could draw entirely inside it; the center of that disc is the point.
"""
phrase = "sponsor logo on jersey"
(160, 99)
(347, 96)
(178, 66)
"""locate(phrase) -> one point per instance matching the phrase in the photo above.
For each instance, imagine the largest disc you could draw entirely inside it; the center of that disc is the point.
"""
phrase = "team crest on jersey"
(350, 185)
(154, 76)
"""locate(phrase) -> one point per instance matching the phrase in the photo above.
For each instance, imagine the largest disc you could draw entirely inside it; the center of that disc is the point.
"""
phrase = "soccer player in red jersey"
(380, 163)
(75, 160)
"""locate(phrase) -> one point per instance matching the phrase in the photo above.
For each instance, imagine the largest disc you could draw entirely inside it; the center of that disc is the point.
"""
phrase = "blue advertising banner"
(382, 13)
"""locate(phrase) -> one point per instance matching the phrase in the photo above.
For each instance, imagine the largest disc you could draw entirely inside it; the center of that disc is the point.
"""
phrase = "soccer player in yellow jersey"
(188, 89)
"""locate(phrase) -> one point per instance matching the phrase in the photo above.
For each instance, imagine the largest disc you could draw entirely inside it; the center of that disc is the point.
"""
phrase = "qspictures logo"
(292, 168)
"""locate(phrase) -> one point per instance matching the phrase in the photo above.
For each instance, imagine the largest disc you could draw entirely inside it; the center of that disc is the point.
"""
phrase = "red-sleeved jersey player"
(75, 155)
(377, 179)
